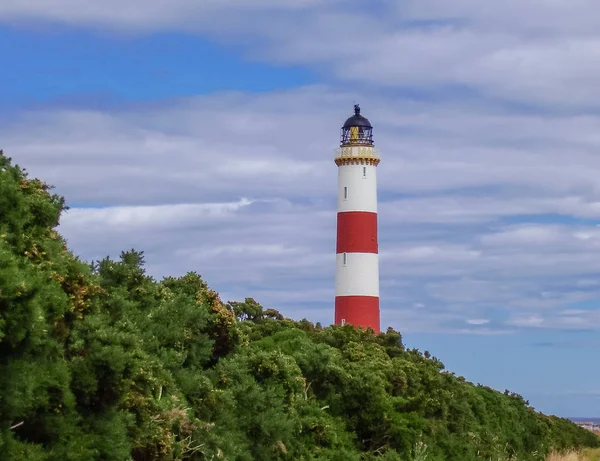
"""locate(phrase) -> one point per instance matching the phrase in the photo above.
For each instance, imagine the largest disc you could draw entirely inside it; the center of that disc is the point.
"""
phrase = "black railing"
(357, 135)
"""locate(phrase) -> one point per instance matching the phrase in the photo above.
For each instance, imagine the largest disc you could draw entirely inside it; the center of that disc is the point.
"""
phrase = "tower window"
(345, 259)
(343, 322)
(364, 171)
(345, 193)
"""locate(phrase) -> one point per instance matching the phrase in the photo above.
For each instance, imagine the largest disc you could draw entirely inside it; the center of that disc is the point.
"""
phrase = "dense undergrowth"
(101, 362)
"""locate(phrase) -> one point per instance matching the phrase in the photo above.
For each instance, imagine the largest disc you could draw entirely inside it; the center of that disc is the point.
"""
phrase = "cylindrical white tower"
(357, 267)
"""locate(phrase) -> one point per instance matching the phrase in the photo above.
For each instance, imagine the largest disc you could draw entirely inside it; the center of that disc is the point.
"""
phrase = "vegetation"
(589, 454)
(102, 362)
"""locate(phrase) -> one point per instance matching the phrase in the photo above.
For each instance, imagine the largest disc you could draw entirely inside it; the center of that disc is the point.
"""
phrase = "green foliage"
(102, 362)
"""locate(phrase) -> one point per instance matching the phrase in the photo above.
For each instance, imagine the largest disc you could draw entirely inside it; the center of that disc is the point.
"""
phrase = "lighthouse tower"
(357, 259)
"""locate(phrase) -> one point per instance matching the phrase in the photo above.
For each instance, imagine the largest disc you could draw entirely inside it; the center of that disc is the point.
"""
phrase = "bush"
(100, 361)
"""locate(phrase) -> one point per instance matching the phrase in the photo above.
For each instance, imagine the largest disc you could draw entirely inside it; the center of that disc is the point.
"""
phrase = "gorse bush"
(100, 361)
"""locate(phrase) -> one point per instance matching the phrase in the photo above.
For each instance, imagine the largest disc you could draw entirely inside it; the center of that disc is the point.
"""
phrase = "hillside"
(102, 362)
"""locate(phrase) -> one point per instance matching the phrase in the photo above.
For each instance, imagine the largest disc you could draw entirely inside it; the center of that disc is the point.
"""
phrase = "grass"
(585, 455)
(588, 454)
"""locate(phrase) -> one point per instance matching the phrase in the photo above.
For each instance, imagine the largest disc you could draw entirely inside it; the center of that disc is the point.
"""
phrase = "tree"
(99, 361)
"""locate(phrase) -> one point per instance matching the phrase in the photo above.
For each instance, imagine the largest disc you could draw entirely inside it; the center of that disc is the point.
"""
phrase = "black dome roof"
(357, 119)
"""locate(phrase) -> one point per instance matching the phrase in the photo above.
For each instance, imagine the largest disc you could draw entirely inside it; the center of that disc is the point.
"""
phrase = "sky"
(203, 133)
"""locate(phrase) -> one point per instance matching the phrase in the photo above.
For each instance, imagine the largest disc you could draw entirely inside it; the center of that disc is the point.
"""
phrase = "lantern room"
(357, 131)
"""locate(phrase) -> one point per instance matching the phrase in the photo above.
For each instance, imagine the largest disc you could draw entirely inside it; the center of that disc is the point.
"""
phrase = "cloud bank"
(480, 213)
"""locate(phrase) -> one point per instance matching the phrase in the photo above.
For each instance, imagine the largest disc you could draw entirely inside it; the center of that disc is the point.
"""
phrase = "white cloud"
(527, 235)
(572, 312)
(142, 16)
(540, 15)
(431, 253)
(131, 218)
(483, 331)
(537, 51)
(526, 321)
(163, 154)
(253, 210)
(569, 319)
(478, 321)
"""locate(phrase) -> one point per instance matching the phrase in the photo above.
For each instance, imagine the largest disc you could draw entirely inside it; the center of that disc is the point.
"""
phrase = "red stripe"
(356, 232)
(360, 311)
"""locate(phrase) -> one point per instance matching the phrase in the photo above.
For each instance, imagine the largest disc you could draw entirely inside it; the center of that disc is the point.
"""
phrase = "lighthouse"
(357, 258)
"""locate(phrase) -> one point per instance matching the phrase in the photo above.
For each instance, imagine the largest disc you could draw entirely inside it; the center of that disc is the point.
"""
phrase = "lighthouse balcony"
(356, 153)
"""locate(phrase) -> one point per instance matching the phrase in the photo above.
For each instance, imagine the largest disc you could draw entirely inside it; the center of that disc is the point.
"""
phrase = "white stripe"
(357, 188)
(359, 276)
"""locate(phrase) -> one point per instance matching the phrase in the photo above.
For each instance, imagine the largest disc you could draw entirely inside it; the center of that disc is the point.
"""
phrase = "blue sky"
(204, 135)
(68, 65)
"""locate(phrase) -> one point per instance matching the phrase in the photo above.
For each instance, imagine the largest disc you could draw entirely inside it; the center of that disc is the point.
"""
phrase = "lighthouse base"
(360, 311)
